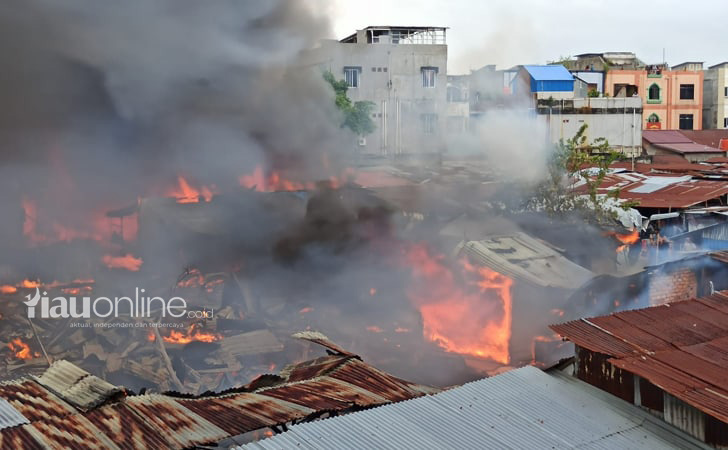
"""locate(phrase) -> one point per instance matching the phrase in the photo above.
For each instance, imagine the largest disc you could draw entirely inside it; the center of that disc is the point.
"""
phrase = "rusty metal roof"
(180, 425)
(665, 191)
(76, 386)
(68, 408)
(681, 347)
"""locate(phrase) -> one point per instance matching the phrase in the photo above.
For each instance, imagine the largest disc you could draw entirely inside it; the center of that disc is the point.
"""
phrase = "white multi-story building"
(403, 71)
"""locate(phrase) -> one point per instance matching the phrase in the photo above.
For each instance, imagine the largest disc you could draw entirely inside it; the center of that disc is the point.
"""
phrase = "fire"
(305, 310)
(472, 318)
(374, 329)
(94, 226)
(128, 262)
(185, 193)
(192, 334)
(21, 349)
(626, 239)
(30, 284)
(552, 338)
(8, 289)
(273, 182)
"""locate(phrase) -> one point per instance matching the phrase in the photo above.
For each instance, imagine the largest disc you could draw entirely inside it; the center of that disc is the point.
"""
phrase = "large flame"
(472, 317)
(626, 239)
(21, 350)
(184, 192)
(38, 229)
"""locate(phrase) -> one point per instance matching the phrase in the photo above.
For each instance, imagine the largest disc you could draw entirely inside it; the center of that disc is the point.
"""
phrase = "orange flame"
(185, 193)
(552, 338)
(8, 289)
(273, 182)
(30, 284)
(626, 239)
(192, 334)
(21, 349)
(96, 227)
(472, 320)
(128, 262)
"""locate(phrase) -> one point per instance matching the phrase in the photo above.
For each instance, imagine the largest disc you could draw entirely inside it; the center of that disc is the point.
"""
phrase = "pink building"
(671, 99)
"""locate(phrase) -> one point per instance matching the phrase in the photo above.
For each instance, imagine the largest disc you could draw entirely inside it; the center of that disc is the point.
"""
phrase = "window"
(686, 121)
(351, 75)
(725, 94)
(654, 118)
(687, 91)
(429, 123)
(429, 75)
(653, 93)
(725, 122)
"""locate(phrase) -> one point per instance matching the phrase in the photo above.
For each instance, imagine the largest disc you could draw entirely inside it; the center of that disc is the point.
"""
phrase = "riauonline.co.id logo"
(139, 306)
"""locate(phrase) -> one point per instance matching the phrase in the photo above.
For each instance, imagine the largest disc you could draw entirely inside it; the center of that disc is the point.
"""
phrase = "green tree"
(573, 164)
(592, 93)
(356, 115)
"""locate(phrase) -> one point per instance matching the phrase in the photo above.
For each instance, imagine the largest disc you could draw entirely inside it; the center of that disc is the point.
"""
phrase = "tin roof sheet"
(76, 386)
(691, 147)
(126, 429)
(36, 415)
(665, 137)
(33, 401)
(9, 416)
(681, 347)
(523, 408)
(672, 192)
(528, 259)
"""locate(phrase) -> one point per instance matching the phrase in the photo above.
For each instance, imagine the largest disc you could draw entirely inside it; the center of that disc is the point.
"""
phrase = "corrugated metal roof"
(665, 137)
(33, 401)
(554, 72)
(523, 408)
(33, 415)
(127, 429)
(681, 347)
(179, 425)
(9, 416)
(681, 194)
(76, 386)
(691, 147)
(523, 257)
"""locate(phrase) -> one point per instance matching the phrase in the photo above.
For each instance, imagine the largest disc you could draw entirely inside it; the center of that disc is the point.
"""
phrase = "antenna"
(664, 61)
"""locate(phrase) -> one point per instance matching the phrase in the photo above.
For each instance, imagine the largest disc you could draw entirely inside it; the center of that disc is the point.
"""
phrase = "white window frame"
(429, 77)
(352, 76)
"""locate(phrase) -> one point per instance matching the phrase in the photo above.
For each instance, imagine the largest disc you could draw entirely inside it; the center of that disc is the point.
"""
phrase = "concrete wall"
(391, 77)
(715, 102)
(616, 119)
(669, 107)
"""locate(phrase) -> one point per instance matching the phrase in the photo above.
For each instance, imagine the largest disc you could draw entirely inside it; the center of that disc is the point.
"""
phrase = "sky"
(513, 32)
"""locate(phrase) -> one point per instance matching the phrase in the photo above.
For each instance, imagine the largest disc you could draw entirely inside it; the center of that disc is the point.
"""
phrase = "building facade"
(715, 97)
(618, 120)
(672, 99)
(403, 71)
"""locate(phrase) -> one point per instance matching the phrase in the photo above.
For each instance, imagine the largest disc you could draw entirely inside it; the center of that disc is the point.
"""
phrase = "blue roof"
(555, 72)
